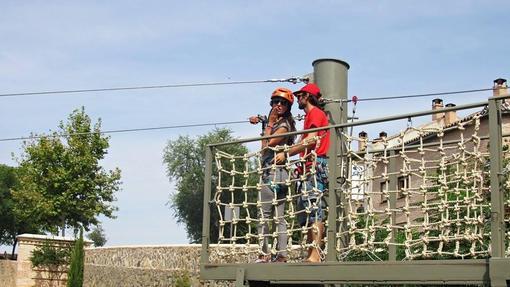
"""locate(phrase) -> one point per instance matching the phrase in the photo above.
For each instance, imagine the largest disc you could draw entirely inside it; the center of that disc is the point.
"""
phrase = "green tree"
(97, 236)
(52, 259)
(7, 220)
(61, 181)
(75, 273)
(10, 226)
(185, 163)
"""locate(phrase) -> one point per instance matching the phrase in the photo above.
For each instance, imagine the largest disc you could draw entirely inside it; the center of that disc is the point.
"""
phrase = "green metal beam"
(360, 123)
(206, 222)
(332, 201)
(393, 185)
(474, 271)
(497, 195)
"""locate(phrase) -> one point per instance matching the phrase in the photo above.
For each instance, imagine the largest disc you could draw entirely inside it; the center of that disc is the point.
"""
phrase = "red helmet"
(284, 93)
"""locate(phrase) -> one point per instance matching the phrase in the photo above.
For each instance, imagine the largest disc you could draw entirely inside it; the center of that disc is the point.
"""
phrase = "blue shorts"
(311, 204)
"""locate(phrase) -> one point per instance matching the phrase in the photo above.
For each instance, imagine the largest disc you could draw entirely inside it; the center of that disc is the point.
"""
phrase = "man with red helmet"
(274, 189)
(314, 185)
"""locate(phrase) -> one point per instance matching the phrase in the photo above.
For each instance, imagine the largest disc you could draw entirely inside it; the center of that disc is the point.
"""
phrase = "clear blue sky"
(394, 48)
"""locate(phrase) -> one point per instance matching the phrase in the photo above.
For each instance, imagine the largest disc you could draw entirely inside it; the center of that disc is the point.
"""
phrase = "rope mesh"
(239, 203)
(506, 185)
(424, 192)
(420, 192)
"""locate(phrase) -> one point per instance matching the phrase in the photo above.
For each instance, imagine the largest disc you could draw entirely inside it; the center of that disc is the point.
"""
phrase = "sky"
(394, 48)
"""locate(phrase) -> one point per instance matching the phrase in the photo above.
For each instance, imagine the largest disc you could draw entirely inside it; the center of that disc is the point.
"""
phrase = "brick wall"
(8, 273)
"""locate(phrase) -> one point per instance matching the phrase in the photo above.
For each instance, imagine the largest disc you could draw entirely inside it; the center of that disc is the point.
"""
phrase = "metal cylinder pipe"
(331, 77)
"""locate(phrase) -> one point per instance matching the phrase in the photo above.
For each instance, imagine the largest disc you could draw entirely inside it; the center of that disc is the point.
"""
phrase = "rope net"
(257, 202)
(506, 186)
(421, 194)
(420, 191)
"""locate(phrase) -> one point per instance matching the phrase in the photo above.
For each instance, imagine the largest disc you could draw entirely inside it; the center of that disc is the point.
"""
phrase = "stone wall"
(147, 265)
(135, 266)
(141, 265)
(162, 265)
(8, 273)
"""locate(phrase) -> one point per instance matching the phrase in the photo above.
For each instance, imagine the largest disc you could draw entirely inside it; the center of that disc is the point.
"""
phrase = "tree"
(97, 236)
(51, 258)
(185, 163)
(75, 273)
(7, 221)
(61, 183)
(10, 226)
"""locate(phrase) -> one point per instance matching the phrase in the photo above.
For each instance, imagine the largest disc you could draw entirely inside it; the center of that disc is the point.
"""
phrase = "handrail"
(364, 122)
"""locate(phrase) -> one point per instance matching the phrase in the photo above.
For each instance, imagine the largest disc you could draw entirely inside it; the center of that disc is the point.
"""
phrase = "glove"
(254, 120)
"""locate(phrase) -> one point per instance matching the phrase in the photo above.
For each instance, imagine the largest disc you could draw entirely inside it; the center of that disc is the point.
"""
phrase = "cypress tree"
(75, 274)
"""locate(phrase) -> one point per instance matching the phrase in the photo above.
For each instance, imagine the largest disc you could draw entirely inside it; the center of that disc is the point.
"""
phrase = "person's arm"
(305, 143)
(274, 141)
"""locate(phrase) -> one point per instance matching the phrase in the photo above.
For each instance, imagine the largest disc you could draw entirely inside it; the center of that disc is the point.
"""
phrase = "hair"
(314, 100)
(292, 123)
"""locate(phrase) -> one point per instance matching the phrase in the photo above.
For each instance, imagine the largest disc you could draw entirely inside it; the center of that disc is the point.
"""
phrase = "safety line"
(293, 80)
(123, 130)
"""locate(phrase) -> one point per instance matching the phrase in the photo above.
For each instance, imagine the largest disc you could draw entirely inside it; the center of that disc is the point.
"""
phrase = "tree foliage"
(97, 236)
(185, 164)
(7, 219)
(10, 225)
(50, 257)
(61, 181)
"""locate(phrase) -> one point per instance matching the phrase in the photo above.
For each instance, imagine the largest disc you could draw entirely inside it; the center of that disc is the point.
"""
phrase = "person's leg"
(264, 215)
(315, 234)
(316, 227)
(282, 231)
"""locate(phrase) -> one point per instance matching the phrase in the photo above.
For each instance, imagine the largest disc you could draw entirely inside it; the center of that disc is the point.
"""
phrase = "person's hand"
(273, 116)
(254, 120)
(280, 158)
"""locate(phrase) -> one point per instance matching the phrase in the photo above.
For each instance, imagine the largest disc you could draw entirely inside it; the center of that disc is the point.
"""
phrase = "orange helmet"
(284, 93)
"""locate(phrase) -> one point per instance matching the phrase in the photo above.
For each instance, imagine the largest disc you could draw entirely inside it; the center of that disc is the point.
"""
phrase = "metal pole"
(331, 77)
(206, 227)
(393, 186)
(497, 196)
(332, 202)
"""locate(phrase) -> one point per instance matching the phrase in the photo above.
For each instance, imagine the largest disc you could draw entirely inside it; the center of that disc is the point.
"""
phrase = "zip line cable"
(297, 117)
(424, 95)
(412, 96)
(123, 130)
(293, 80)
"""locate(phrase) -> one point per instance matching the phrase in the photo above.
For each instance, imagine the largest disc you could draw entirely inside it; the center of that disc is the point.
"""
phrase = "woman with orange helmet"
(279, 121)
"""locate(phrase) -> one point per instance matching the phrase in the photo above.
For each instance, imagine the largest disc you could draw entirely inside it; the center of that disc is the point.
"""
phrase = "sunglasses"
(282, 102)
(300, 94)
